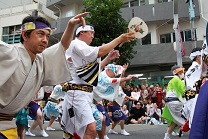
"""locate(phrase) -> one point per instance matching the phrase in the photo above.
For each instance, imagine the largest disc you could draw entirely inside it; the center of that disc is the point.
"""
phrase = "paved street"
(136, 131)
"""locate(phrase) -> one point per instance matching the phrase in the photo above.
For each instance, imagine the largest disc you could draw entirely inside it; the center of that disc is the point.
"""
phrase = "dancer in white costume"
(193, 74)
(84, 61)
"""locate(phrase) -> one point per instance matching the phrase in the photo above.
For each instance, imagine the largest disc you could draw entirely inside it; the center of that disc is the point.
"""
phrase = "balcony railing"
(158, 11)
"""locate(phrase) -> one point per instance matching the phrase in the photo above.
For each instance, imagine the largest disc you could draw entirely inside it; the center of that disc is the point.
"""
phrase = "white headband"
(194, 54)
(86, 28)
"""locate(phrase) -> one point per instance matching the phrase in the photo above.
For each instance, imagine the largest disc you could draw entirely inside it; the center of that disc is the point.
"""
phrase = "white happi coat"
(192, 75)
(107, 88)
(20, 79)
(81, 54)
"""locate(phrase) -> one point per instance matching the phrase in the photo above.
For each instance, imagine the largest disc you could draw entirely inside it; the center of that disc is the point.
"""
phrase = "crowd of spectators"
(143, 105)
(147, 105)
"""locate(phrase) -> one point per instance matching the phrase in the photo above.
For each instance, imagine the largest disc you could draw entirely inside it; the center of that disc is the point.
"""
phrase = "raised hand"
(126, 37)
(113, 54)
(125, 66)
(69, 31)
(78, 19)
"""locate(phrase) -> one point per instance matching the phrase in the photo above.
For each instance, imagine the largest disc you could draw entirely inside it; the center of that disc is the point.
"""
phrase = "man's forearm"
(67, 36)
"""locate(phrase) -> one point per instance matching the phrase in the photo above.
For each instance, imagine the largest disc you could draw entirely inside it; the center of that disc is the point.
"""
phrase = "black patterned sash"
(89, 73)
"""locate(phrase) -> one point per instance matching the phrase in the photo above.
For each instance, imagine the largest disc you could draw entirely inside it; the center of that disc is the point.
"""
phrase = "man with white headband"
(193, 74)
(26, 68)
(174, 101)
(85, 64)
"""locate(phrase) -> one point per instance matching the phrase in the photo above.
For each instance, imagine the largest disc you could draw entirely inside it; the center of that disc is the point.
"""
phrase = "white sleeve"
(55, 65)
(86, 52)
(9, 61)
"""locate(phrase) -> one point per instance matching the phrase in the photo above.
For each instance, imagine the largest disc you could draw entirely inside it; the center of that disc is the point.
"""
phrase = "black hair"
(194, 50)
(33, 19)
(135, 102)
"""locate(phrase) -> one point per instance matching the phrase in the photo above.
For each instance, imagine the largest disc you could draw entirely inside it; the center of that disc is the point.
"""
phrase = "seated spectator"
(125, 110)
(145, 95)
(148, 106)
(155, 114)
(153, 93)
(144, 105)
(135, 94)
(127, 91)
(137, 114)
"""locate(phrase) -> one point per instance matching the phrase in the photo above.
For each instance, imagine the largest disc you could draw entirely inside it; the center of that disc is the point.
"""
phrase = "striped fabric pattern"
(89, 73)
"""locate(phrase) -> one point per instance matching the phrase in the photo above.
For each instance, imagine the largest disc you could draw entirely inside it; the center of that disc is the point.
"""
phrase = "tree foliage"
(108, 24)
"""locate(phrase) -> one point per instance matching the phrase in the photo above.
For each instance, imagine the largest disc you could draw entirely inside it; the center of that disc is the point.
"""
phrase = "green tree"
(108, 24)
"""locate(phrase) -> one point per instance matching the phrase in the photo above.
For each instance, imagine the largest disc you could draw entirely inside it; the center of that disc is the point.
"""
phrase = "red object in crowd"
(159, 97)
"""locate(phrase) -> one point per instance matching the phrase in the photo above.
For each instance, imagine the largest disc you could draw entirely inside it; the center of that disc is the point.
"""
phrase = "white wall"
(72, 9)
(152, 1)
(201, 29)
(204, 10)
(11, 3)
(14, 15)
(153, 31)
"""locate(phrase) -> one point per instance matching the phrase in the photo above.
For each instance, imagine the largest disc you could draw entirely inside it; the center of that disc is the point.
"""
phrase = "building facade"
(13, 11)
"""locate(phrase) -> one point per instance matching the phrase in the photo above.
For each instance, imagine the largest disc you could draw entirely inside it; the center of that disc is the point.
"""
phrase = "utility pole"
(191, 18)
(175, 27)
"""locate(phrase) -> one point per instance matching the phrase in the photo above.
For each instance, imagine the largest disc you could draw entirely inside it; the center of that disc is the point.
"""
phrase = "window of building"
(182, 36)
(11, 34)
(125, 5)
(165, 38)
(134, 3)
(185, 35)
(146, 39)
(142, 2)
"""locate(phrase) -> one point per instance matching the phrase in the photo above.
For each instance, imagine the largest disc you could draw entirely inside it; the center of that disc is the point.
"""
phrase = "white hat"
(85, 28)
